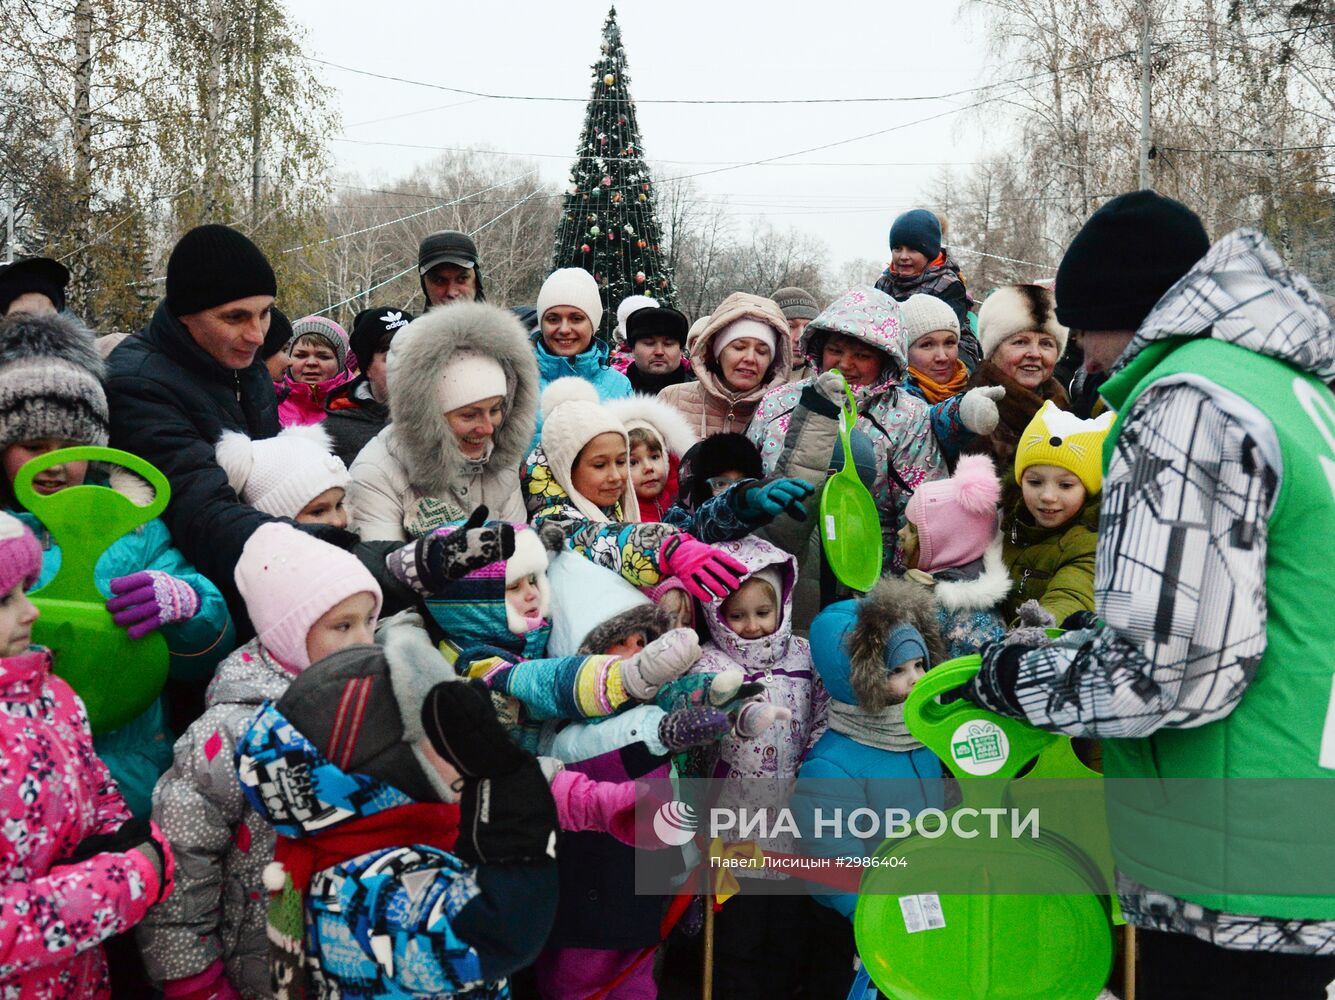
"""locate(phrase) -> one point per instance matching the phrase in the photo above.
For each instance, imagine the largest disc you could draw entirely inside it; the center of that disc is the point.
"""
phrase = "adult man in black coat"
(192, 374)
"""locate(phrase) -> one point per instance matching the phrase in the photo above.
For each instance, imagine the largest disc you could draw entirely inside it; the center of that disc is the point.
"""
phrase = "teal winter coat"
(139, 752)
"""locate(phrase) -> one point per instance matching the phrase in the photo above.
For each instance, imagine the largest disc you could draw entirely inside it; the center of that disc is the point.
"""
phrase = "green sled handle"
(117, 677)
(975, 743)
(850, 524)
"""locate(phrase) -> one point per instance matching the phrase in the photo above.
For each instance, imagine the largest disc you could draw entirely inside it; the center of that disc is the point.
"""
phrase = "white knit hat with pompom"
(281, 475)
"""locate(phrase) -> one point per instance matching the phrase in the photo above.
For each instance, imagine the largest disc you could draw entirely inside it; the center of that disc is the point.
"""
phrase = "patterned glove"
(757, 716)
(211, 984)
(429, 564)
(707, 573)
(831, 384)
(506, 812)
(666, 658)
(693, 727)
(760, 503)
(978, 408)
(150, 599)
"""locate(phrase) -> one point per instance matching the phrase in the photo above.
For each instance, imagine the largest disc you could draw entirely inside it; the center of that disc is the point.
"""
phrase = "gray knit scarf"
(884, 730)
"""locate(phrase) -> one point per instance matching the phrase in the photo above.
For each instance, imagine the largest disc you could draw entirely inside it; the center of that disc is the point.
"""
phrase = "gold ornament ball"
(609, 79)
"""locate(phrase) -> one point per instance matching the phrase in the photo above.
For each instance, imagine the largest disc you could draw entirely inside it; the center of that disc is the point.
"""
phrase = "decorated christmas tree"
(607, 223)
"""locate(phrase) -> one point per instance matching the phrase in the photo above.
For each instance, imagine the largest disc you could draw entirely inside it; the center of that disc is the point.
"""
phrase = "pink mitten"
(756, 716)
(150, 599)
(709, 574)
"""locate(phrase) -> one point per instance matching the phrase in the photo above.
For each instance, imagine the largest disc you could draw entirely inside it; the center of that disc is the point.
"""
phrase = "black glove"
(506, 811)
(433, 561)
(133, 833)
(1079, 621)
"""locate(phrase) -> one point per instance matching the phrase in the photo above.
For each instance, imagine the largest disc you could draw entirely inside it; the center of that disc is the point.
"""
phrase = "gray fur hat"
(50, 381)
(891, 603)
(649, 620)
(388, 686)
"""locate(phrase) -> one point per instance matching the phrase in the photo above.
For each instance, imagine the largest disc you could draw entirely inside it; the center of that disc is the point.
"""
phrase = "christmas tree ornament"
(641, 244)
(639, 277)
(609, 79)
(585, 248)
(611, 236)
(607, 181)
(616, 198)
(644, 197)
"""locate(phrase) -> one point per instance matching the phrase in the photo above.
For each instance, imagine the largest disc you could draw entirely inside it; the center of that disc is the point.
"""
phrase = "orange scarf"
(935, 392)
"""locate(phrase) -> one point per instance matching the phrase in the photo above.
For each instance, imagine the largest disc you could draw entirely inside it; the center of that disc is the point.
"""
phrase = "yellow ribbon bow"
(720, 855)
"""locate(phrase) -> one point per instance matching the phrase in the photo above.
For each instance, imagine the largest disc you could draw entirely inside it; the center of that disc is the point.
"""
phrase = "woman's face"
(313, 361)
(744, 362)
(908, 262)
(936, 354)
(1027, 357)
(600, 470)
(566, 331)
(857, 361)
(473, 425)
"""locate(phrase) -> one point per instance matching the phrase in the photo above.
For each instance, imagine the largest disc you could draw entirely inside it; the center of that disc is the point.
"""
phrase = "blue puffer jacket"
(592, 366)
(395, 922)
(841, 773)
(140, 752)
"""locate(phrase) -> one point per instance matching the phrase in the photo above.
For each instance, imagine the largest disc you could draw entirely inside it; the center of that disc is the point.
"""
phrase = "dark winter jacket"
(940, 279)
(354, 417)
(170, 403)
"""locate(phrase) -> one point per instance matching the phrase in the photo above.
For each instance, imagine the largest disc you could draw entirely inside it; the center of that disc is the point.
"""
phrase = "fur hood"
(650, 620)
(891, 603)
(420, 352)
(983, 593)
(666, 421)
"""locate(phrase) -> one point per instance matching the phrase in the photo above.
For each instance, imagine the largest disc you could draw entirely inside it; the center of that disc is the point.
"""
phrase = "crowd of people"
(436, 597)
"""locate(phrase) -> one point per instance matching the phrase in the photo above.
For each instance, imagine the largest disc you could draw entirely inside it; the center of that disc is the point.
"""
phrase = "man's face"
(1102, 348)
(446, 283)
(378, 376)
(32, 302)
(657, 355)
(232, 333)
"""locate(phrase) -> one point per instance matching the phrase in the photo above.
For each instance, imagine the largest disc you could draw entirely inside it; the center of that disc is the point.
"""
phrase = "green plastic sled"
(996, 946)
(850, 524)
(116, 676)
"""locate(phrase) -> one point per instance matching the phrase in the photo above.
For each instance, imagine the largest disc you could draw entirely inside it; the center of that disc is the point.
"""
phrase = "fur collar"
(987, 591)
(419, 354)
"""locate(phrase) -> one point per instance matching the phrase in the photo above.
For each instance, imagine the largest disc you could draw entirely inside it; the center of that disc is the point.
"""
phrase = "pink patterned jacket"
(54, 792)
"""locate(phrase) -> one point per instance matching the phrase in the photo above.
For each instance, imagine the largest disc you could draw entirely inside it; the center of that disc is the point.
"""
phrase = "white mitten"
(978, 408)
(666, 658)
(830, 384)
(757, 716)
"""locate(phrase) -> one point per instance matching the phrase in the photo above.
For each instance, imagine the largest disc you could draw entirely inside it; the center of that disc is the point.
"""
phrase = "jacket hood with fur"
(848, 638)
(666, 421)
(423, 440)
(740, 305)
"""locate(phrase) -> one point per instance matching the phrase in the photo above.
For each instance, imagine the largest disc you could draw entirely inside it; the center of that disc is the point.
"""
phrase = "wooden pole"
(1129, 963)
(707, 982)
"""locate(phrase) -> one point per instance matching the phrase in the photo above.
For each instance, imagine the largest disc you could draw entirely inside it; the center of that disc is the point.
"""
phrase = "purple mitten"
(708, 574)
(693, 727)
(150, 599)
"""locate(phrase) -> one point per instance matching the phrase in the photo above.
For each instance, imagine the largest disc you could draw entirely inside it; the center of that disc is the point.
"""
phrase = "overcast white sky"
(684, 49)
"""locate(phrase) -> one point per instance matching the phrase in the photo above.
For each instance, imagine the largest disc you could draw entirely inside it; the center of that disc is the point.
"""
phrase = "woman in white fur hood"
(463, 398)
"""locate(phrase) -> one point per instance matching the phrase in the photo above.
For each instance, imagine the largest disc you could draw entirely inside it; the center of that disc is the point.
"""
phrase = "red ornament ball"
(639, 277)
(585, 248)
(641, 244)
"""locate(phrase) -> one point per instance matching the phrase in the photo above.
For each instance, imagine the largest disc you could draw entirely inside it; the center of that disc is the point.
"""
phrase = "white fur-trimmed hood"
(984, 593)
(424, 442)
(667, 421)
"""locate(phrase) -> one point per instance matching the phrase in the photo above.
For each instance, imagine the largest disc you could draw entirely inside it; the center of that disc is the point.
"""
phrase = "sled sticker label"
(922, 912)
(980, 747)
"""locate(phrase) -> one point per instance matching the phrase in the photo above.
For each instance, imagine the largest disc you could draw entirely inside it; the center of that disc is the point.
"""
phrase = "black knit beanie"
(36, 274)
(212, 265)
(1124, 258)
(279, 335)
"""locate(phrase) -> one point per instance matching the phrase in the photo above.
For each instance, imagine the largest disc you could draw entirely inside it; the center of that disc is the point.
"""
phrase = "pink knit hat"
(956, 518)
(289, 579)
(20, 554)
